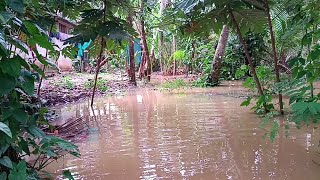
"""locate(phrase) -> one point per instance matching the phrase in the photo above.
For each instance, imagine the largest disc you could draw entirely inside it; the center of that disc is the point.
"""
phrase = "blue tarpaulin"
(137, 51)
(83, 47)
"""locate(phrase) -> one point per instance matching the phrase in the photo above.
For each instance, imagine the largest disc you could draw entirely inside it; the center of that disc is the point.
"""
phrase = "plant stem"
(100, 57)
(274, 53)
(246, 52)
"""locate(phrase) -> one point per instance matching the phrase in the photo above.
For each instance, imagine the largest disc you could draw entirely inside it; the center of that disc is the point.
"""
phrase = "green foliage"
(271, 119)
(101, 85)
(23, 25)
(179, 55)
(235, 58)
(205, 52)
(242, 71)
(67, 174)
(246, 102)
(175, 84)
(305, 113)
(66, 83)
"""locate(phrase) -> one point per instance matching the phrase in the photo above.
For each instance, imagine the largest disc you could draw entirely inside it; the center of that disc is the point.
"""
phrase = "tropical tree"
(103, 25)
(146, 63)
(242, 15)
(217, 61)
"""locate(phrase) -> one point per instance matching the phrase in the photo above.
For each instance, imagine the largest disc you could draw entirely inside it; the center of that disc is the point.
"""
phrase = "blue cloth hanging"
(137, 51)
(83, 47)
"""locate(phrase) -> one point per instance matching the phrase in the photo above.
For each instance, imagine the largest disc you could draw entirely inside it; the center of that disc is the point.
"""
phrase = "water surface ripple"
(196, 136)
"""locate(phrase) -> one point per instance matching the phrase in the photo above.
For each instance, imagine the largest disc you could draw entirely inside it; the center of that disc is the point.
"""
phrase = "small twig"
(316, 163)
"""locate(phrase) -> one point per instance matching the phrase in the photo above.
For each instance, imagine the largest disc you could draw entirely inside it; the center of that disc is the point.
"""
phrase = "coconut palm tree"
(241, 15)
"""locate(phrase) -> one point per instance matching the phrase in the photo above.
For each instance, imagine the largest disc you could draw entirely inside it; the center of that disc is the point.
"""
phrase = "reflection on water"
(194, 136)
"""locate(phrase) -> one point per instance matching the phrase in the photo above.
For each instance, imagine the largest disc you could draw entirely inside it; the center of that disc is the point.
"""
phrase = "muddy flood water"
(150, 135)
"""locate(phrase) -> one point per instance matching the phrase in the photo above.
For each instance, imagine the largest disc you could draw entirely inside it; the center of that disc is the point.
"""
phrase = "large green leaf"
(20, 115)
(23, 62)
(300, 107)
(5, 16)
(20, 45)
(28, 85)
(42, 41)
(11, 67)
(67, 174)
(8, 83)
(16, 5)
(24, 146)
(4, 128)
(246, 102)
(35, 131)
(6, 162)
(31, 27)
(19, 172)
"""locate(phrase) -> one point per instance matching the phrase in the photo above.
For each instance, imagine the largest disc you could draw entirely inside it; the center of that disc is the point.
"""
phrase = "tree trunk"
(163, 5)
(193, 55)
(145, 46)
(174, 49)
(132, 74)
(142, 63)
(217, 62)
(274, 53)
(100, 57)
(246, 52)
(160, 50)
(97, 70)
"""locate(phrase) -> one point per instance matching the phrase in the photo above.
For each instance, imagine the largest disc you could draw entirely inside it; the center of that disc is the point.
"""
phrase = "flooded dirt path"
(150, 135)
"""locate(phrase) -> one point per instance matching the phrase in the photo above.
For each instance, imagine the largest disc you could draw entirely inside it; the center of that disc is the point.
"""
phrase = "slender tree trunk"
(192, 55)
(142, 63)
(44, 66)
(274, 53)
(145, 46)
(98, 66)
(126, 64)
(160, 50)
(100, 57)
(217, 62)
(246, 52)
(174, 49)
(163, 5)
(132, 71)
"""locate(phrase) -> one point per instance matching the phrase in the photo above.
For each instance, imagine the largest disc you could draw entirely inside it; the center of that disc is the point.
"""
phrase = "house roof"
(59, 18)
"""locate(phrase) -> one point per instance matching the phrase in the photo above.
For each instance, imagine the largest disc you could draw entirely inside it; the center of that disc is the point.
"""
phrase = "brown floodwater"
(151, 135)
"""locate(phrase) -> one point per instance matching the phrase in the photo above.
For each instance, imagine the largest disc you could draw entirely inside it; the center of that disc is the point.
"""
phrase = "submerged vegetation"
(178, 83)
(273, 46)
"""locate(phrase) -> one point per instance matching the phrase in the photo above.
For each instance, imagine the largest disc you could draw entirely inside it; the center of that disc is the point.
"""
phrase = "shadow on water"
(150, 135)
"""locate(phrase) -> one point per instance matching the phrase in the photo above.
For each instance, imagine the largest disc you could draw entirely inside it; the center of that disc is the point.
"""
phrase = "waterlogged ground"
(152, 135)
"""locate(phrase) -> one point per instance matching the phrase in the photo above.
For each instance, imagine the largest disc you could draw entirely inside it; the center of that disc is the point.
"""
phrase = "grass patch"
(178, 83)
(66, 83)
(101, 85)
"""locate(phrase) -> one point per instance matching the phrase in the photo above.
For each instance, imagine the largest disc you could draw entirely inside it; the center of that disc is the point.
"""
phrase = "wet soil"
(59, 89)
(65, 88)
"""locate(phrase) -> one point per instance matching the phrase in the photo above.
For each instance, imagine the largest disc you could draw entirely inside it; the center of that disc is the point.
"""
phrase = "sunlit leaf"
(4, 128)
(6, 162)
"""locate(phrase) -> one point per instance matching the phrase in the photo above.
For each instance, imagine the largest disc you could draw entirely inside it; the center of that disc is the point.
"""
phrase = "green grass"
(66, 83)
(101, 85)
(175, 84)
